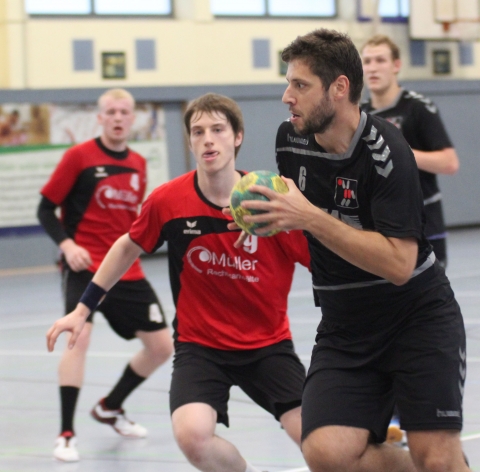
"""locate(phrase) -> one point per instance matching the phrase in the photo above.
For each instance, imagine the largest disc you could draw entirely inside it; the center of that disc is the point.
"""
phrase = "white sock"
(250, 468)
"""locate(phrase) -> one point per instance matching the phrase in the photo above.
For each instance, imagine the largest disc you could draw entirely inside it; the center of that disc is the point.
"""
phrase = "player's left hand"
(72, 323)
(283, 211)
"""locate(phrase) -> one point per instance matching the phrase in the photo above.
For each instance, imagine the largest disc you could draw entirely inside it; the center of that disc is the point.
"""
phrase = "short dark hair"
(379, 39)
(214, 103)
(329, 54)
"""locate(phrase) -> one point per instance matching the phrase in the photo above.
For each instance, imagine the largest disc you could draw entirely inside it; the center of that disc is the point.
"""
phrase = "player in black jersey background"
(391, 329)
(419, 120)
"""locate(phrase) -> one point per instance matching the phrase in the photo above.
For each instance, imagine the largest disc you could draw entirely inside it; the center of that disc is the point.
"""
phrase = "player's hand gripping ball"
(241, 191)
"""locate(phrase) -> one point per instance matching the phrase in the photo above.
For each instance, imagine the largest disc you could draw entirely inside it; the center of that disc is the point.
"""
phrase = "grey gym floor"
(30, 301)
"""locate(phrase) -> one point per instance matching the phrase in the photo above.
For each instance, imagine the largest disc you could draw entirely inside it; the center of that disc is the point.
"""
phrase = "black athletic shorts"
(129, 306)
(358, 373)
(272, 377)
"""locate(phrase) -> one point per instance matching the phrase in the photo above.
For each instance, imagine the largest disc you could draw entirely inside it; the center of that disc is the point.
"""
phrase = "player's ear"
(340, 87)
(397, 65)
(238, 138)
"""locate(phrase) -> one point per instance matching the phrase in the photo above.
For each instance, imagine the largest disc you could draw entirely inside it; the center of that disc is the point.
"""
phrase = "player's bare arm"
(444, 161)
(118, 259)
(393, 259)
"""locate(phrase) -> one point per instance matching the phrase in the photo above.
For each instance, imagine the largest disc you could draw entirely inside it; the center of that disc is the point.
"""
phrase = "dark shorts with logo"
(129, 306)
(358, 372)
(272, 377)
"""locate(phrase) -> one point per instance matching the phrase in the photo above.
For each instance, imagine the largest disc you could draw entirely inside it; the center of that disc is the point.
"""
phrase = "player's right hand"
(77, 257)
(73, 323)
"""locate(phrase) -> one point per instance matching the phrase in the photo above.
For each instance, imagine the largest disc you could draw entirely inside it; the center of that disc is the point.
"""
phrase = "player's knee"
(320, 457)
(161, 348)
(193, 442)
(430, 461)
(330, 449)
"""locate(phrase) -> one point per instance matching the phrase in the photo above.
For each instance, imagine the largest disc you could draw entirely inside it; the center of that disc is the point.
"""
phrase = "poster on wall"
(33, 139)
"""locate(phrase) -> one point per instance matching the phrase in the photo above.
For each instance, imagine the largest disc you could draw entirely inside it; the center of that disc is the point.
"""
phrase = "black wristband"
(92, 296)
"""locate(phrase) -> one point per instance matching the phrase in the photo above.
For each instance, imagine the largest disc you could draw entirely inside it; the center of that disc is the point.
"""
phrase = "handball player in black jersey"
(231, 324)
(391, 329)
(418, 118)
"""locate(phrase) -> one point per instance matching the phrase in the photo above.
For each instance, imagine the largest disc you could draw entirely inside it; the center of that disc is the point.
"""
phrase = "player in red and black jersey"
(231, 325)
(391, 329)
(99, 186)
(419, 120)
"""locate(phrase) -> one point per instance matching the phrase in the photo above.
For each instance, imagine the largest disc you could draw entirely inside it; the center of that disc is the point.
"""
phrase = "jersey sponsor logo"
(191, 225)
(346, 193)
(203, 260)
(397, 121)
(116, 199)
(100, 172)
(297, 140)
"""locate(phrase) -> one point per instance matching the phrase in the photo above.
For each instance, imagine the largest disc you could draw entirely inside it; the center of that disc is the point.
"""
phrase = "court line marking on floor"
(469, 437)
(302, 469)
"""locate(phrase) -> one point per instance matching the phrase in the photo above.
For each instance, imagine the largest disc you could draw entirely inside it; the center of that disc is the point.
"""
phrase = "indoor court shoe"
(66, 448)
(118, 421)
(395, 435)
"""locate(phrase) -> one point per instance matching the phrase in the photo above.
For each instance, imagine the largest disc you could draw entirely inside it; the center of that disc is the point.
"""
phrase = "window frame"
(383, 19)
(269, 16)
(94, 15)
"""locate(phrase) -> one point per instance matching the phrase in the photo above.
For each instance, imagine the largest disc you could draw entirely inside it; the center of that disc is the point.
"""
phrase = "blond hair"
(116, 94)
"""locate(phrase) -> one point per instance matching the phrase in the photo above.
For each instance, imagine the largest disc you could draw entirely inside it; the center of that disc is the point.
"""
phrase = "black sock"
(68, 402)
(125, 386)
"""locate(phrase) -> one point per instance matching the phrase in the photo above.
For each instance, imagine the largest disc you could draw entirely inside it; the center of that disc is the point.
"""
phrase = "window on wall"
(388, 10)
(98, 7)
(277, 8)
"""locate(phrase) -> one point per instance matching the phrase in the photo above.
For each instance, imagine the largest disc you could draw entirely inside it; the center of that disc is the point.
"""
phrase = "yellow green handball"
(241, 191)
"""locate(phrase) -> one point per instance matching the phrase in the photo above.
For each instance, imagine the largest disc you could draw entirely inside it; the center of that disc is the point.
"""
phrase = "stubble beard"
(319, 120)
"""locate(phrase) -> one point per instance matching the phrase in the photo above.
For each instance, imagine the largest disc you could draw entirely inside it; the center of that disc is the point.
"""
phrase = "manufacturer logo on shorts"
(191, 228)
(346, 193)
(448, 413)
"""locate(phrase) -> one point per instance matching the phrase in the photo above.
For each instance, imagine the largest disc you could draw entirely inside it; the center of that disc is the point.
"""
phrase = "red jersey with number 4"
(99, 196)
(226, 298)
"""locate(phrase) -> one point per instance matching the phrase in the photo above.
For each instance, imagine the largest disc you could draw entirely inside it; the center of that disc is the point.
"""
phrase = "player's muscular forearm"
(390, 258)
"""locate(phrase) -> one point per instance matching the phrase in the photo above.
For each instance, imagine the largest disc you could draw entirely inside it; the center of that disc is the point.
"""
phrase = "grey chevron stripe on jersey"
(378, 141)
